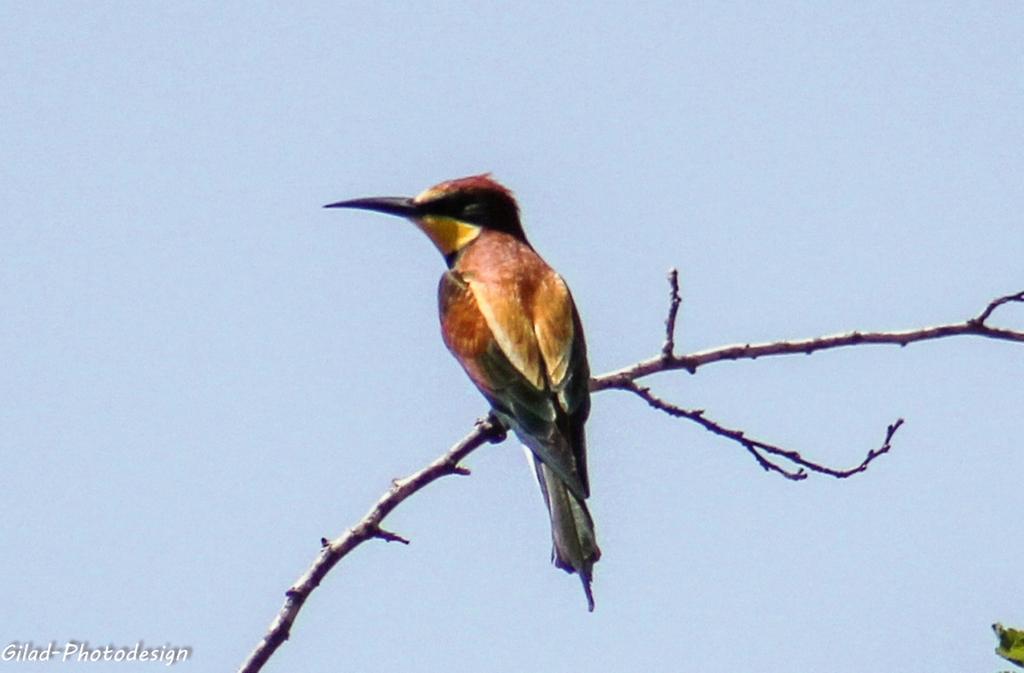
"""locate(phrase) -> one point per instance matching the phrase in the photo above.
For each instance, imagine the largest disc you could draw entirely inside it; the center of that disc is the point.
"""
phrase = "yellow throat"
(447, 233)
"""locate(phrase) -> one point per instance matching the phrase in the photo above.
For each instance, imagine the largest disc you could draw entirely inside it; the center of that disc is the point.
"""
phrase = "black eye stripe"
(461, 206)
(485, 209)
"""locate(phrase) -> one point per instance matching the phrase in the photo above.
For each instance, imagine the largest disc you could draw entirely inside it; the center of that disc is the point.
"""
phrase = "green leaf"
(1011, 644)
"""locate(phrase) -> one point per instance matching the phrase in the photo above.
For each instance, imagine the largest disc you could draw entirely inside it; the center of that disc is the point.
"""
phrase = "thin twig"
(758, 448)
(368, 528)
(668, 349)
(996, 303)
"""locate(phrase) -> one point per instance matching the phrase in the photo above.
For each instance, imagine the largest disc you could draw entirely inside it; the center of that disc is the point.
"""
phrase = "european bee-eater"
(510, 321)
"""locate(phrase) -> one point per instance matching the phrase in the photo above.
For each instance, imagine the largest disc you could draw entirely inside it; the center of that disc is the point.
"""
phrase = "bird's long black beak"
(392, 205)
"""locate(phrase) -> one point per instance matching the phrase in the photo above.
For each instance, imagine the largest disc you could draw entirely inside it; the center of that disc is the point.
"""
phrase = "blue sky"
(205, 372)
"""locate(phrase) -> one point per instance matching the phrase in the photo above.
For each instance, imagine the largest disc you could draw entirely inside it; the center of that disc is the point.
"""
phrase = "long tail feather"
(574, 544)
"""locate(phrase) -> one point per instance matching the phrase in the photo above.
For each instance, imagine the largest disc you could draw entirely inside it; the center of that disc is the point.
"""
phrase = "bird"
(511, 322)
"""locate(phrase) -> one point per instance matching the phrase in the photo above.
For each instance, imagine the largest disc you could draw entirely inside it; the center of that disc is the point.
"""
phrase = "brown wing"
(553, 325)
(507, 356)
(564, 350)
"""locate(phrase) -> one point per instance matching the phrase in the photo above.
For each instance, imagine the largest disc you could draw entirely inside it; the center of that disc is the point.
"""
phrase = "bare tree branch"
(368, 528)
(758, 448)
(976, 326)
(492, 430)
